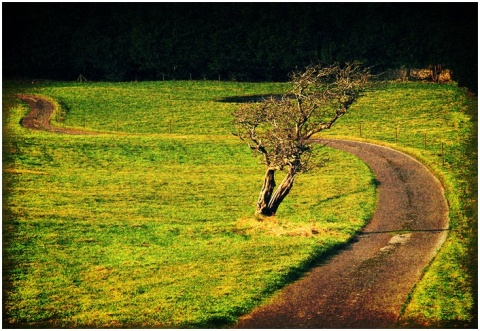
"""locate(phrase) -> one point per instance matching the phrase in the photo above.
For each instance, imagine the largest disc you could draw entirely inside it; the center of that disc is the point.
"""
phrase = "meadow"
(147, 228)
(150, 222)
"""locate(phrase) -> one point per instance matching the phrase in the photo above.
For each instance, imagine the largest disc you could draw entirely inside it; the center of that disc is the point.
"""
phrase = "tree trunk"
(281, 192)
(266, 193)
(268, 204)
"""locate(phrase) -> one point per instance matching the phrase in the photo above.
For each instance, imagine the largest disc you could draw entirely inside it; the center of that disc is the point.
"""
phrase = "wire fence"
(421, 139)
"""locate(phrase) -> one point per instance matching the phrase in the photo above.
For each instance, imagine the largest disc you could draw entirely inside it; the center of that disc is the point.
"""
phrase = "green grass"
(181, 107)
(418, 119)
(150, 229)
(151, 225)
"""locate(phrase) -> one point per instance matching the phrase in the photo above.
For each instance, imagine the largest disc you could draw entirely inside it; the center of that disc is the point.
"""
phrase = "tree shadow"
(249, 98)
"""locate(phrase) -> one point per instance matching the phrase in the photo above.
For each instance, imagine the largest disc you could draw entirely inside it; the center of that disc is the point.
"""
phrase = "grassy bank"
(150, 226)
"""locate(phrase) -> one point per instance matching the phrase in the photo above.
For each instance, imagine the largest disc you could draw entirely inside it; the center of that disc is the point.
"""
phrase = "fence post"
(443, 154)
(396, 134)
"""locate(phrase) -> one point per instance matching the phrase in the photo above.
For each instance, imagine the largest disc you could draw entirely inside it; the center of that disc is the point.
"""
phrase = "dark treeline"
(242, 41)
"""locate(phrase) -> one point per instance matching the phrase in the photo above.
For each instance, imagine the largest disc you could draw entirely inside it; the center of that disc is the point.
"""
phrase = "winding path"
(366, 284)
(39, 116)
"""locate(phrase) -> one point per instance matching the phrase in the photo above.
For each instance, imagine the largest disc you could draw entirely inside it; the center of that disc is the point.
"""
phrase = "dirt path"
(366, 284)
(41, 111)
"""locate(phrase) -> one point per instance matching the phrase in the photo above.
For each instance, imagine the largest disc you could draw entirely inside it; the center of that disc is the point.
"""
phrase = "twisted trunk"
(268, 203)
(266, 192)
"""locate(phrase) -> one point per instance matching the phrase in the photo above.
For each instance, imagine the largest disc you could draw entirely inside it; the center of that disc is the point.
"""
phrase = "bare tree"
(279, 128)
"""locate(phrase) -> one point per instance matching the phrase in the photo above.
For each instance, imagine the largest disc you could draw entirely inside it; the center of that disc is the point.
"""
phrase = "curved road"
(366, 284)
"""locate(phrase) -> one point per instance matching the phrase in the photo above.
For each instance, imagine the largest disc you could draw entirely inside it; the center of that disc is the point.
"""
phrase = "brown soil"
(41, 111)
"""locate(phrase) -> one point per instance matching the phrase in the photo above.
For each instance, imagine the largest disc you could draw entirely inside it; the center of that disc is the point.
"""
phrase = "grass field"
(151, 224)
(153, 229)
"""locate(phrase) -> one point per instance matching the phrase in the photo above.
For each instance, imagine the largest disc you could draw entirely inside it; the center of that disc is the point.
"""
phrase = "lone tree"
(279, 128)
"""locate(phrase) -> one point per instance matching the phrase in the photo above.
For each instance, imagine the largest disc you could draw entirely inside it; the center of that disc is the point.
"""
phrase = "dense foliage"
(242, 41)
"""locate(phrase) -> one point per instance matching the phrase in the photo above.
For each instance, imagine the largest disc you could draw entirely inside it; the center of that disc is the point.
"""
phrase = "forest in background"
(233, 41)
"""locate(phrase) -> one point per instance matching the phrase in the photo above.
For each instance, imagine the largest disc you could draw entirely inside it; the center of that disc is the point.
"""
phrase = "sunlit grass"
(414, 115)
(437, 124)
(148, 230)
(184, 107)
(152, 225)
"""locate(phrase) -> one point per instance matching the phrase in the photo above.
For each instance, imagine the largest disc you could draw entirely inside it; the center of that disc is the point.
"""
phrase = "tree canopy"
(279, 129)
(242, 41)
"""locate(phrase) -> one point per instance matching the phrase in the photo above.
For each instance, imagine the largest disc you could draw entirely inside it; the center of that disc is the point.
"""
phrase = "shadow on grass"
(320, 257)
(249, 98)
